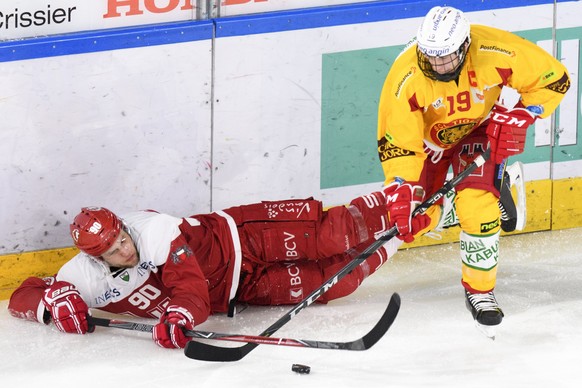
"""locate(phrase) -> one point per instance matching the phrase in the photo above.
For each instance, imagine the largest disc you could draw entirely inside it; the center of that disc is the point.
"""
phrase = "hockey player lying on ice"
(181, 270)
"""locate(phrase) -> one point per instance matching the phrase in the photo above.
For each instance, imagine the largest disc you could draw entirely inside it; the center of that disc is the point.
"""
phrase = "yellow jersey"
(415, 110)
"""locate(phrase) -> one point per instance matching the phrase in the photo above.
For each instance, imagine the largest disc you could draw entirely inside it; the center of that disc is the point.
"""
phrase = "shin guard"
(479, 255)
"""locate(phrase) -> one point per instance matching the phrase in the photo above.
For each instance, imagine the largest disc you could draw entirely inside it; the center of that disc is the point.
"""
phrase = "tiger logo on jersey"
(449, 134)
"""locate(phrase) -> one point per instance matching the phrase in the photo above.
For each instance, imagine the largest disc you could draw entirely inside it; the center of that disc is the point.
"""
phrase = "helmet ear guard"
(95, 229)
(444, 33)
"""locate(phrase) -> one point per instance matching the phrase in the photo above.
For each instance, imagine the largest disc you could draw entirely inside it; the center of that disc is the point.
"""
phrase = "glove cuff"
(178, 315)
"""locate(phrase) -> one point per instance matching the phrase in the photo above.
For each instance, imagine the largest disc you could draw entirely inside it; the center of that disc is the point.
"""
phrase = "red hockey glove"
(506, 131)
(401, 200)
(169, 333)
(68, 310)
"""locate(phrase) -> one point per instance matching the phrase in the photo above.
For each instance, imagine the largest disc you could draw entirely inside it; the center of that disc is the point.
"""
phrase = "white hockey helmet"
(443, 38)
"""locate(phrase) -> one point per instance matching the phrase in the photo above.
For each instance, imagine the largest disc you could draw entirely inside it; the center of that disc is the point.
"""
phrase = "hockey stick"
(206, 352)
(362, 343)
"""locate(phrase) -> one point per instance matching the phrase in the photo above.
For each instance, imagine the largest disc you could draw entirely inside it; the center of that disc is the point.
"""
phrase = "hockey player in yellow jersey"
(440, 108)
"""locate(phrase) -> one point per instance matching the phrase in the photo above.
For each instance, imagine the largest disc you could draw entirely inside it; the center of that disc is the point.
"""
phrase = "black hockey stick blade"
(207, 352)
(381, 327)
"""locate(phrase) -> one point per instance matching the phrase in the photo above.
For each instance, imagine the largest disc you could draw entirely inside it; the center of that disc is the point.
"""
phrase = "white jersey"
(152, 234)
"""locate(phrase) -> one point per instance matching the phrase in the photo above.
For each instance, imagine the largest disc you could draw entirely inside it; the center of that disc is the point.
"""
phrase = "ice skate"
(485, 311)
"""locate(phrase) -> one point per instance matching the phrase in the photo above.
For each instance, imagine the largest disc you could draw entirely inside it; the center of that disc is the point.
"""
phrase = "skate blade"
(516, 178)
(487, 331)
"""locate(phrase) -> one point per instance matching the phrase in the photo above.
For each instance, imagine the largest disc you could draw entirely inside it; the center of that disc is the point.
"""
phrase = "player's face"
(446, 64)
(122, 253)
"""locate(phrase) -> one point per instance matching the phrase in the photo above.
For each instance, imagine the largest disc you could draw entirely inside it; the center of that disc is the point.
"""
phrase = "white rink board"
(268, 115)
(244, 7)
(124, 129)
(32, 18)
(137, 128)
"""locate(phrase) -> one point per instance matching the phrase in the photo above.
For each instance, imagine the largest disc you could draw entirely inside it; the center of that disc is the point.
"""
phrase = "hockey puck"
(301, 369)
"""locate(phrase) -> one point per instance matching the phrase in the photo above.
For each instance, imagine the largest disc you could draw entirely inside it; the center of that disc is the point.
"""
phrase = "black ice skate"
(485, 311)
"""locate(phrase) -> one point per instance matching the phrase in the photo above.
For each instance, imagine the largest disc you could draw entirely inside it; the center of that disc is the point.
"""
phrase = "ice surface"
(433, 342)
